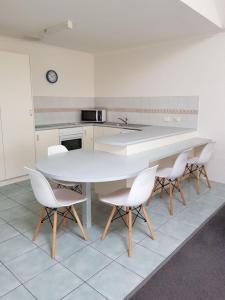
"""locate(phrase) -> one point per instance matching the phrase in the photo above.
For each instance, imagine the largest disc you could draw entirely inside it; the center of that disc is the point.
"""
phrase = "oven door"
(71, 142)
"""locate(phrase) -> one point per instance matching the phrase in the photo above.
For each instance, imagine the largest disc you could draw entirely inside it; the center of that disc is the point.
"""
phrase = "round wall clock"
(51, 76)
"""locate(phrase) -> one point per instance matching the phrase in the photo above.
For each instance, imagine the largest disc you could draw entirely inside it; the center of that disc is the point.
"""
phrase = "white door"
(44, 139)
(17, 113)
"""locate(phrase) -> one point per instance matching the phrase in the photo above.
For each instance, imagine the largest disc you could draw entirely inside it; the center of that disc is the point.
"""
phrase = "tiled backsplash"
(49, 110)
(163, 111)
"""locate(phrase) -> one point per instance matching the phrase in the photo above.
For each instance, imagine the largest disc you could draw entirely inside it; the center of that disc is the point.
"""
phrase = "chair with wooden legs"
(128, 203)
(196, 165)
(56, 149)
(52, 201)
(170, 178)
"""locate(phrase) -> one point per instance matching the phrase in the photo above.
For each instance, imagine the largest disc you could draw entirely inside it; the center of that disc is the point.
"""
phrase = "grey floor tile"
(115, 281)
(86, 262)
(14, 212)
(11, 189)
(45, 234)
(15, 247)
(24, 197)
(157, 219)
(53, 283)
(93, 233)
(179, 230)
(7, 232)
(24, 183)
(142, 261)
(112, 246)
(187, 217)
(163, 245)
(84, 292)
(7, 281)
(30, 264)
(34, 206)
(24, 223)
(6, 203)
(202, 208)
(2, 221)
(66, 245)
(163, 207)
(20, 293)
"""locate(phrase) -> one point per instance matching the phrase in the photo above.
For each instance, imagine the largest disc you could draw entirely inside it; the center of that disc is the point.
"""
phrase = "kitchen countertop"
(137, 133)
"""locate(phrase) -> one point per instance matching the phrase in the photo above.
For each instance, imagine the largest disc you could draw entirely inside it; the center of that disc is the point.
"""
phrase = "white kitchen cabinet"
(98, 132)
(44, 139)
(88, 138)
(16, 114)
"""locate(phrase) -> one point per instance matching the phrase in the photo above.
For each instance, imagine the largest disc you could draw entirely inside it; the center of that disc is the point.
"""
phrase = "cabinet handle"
(37, 137)
(30, 112)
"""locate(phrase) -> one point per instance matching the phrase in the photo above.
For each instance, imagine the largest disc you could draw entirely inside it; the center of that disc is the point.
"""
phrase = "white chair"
(52, 200)
(196, 165)
(170, 177)
(56, 149)
(129, 202)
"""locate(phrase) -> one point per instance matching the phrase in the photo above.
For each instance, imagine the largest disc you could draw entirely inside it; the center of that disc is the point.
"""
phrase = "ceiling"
(103, 25)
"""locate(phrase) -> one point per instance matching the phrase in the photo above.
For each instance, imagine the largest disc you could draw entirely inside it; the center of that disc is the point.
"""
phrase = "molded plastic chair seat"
(66, 197)
(164, 173)
(129, 201)
(56, 149)
(115, 198)
(196, 165)
(51, 200)
(171, 177)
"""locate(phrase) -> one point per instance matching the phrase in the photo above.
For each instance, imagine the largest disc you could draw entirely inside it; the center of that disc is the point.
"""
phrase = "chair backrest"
(56, 149)
(206, 153)
(41, 188)
(179, 165)
(142, 187)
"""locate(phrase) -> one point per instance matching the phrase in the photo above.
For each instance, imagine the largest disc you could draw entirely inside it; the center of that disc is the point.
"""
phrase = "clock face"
(51, 76)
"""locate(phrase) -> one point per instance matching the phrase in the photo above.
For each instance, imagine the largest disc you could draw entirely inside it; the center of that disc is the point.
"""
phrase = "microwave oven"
(93, 115)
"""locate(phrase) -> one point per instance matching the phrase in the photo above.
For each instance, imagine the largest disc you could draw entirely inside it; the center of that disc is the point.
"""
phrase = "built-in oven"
(71, 138)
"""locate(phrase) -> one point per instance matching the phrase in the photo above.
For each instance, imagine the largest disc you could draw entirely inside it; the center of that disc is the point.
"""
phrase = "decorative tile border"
(154, 111)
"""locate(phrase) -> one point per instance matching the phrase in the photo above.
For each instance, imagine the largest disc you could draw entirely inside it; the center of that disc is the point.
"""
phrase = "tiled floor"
(92, 269)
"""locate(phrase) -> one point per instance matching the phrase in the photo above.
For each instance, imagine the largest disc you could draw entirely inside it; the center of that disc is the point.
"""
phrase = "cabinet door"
(17, 113)
(87, 140)
(44, 139)
(98, 132)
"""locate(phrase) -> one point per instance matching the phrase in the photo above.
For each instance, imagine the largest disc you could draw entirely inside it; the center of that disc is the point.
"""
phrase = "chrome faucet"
(124, 120)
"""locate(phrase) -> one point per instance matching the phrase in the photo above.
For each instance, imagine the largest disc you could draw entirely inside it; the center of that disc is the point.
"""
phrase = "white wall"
(75, 69)
(184, 68)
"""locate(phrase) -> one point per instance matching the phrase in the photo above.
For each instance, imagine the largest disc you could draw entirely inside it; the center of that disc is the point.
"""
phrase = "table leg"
(86, 207)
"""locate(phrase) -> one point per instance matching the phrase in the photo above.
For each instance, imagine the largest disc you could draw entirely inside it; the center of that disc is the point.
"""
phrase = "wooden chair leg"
(180, 191)
(54, 229)
(78, 222)
(129, 232)
(171, 199)
(198, 181)
(149, 224)
(207, 178)
(108, 222)
(65, 220)
(37, 227)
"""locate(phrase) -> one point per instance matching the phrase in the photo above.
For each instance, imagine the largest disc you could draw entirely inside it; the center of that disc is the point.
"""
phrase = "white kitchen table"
(90, 167)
